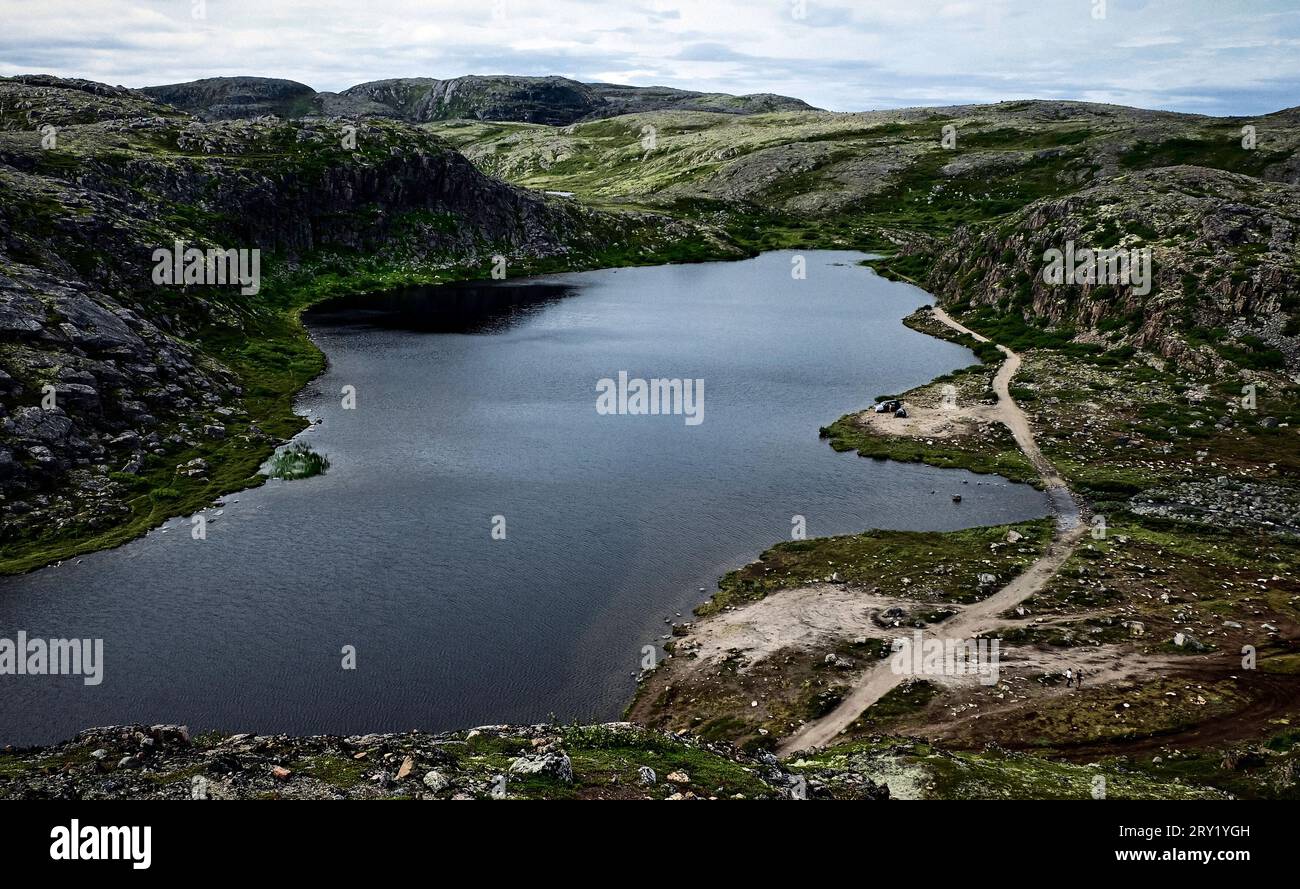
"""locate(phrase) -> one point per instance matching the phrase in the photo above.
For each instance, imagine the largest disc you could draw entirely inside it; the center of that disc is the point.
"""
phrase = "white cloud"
(1202, 55)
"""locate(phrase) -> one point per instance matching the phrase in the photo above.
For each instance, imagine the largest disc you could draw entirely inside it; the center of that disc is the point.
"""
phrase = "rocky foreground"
(612, 761)
(605, 761)
(608, 761)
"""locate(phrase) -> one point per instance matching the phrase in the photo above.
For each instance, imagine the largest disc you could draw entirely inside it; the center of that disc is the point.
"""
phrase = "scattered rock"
(551, 765)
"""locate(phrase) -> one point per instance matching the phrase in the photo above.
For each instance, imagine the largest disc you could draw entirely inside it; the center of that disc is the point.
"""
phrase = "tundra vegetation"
(1173, 413)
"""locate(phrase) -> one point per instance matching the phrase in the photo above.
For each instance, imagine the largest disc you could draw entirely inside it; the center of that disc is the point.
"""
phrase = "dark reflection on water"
(470, 307)
(613, 522)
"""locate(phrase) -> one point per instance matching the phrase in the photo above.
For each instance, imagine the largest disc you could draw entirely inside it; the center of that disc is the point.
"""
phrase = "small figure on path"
(1069, 678)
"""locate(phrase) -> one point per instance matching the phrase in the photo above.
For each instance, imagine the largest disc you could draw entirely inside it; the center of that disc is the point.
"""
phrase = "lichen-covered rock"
(556, 765)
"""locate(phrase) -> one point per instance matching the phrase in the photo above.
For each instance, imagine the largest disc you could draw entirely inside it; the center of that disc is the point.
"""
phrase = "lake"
(476, 411)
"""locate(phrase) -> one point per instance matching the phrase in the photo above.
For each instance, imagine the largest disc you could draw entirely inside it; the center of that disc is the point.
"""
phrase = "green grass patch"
(991, 455)
(901, 563)
(297, 461)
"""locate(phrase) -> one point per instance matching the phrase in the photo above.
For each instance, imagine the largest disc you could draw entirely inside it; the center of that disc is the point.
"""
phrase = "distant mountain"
(232, 98)
(549, 100)
(557, 101)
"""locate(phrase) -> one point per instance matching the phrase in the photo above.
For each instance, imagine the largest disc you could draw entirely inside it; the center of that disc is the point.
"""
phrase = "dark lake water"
(480, 401)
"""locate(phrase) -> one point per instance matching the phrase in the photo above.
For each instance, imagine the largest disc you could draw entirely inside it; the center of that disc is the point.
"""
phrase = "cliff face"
(107, 375)
(1224, 258)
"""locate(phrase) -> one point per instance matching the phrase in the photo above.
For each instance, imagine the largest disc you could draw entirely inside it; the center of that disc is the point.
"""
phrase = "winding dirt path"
(982, 616)
(1007, 411)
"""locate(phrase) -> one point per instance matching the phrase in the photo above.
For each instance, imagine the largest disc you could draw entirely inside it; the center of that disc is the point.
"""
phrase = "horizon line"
(811, 107)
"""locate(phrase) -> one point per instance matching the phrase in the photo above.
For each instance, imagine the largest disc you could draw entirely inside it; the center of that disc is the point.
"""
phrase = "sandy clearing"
(930, 422)
(804, 617)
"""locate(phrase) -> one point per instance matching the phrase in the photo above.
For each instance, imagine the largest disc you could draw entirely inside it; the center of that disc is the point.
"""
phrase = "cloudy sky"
(1210, 56)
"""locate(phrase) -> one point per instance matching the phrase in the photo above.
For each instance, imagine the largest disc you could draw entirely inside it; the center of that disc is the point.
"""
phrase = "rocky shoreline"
(610, 761)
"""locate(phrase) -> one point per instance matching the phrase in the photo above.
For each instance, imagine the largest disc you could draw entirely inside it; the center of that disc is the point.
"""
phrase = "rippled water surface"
(478, 401)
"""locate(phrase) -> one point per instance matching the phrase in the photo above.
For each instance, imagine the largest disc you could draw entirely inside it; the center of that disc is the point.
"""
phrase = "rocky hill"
(124, 400)
(233, 98)
(971, 197)
(1225, 286)
(545, 100)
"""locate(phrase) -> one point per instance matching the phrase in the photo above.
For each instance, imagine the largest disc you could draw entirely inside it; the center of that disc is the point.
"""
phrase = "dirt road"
(982, 616)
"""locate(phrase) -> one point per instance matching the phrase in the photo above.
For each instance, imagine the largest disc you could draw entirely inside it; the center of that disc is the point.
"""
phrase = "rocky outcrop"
(1225, 502)
(36, 100)
(1224, 249)
(88, 388)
